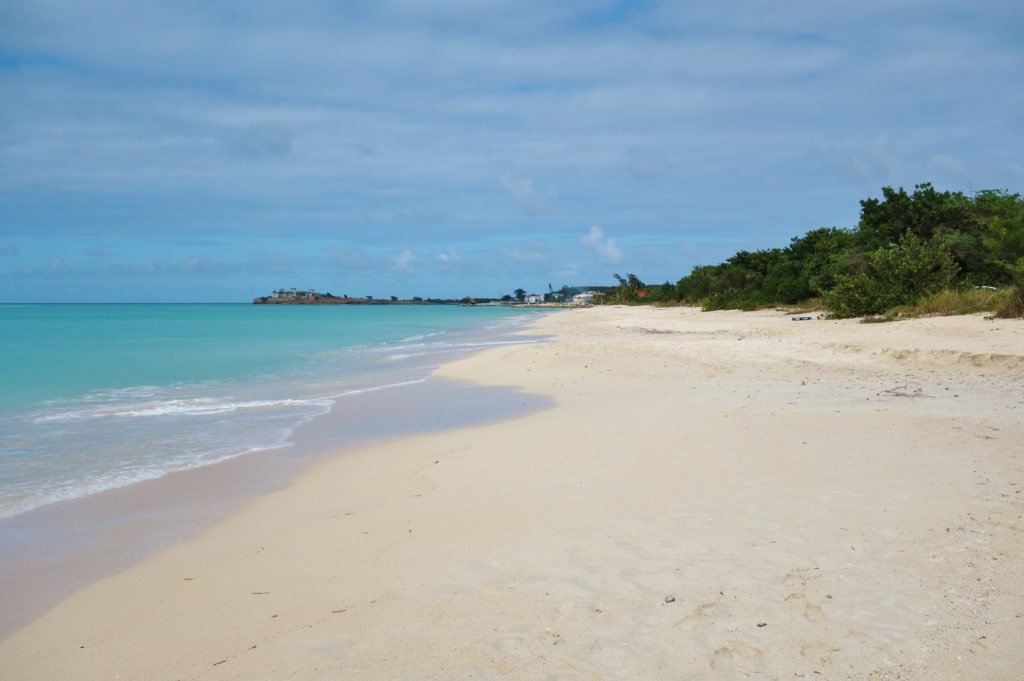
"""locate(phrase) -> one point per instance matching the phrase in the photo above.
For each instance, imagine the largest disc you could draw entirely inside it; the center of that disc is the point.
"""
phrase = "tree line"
(906, 246)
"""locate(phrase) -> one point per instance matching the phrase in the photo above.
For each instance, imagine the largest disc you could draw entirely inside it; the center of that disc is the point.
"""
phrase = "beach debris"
(643, 329)
(554, 635)
(903, 391)
(801, 319)
(762, 624)
(670, 599)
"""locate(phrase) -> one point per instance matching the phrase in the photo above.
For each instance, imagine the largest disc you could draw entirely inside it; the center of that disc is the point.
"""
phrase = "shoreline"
(48, 553)
(714, 494)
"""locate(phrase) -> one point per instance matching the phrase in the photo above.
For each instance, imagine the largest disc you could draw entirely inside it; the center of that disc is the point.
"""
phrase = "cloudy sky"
(204, 150)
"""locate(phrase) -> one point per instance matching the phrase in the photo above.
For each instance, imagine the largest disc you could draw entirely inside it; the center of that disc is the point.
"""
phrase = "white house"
(293, 293)
(534, 298)
(583, 298)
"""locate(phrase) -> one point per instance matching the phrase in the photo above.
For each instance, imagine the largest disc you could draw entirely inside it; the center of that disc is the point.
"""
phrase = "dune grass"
(1005, 302)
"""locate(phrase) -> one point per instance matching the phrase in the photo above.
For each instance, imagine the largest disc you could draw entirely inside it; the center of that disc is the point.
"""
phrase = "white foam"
(422, 336)
(375, 388)
(67, 491)
(187, 407)
(111, 438)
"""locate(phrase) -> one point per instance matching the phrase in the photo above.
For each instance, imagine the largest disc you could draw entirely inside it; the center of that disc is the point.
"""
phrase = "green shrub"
(1012, 305)
(956, 301)
(856, 295)
(897, 275)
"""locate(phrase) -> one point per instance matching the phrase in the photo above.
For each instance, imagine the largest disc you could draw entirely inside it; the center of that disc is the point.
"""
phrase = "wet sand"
(712, 496)
(51, 552)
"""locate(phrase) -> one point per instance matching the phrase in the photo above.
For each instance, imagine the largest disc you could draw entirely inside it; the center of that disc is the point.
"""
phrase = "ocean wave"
(375, 388)
(201, 406)
(15, 501)
(57, 448)
(422, 336)
(58, 484)
(492, 344)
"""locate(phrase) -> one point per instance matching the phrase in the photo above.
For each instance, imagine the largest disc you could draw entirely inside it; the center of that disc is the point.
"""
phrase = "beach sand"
(714, 495)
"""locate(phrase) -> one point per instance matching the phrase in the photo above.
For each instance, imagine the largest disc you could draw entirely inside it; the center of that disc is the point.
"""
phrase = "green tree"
(661, 293)
(631, 289)
(897, 275)
(1001, 216)
(821, 255)
(699, 284)
(905, 245)
(925, 213)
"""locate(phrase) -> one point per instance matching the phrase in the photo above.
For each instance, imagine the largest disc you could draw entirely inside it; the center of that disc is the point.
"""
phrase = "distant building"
(293, 293)
(534, 298)
(583, 298)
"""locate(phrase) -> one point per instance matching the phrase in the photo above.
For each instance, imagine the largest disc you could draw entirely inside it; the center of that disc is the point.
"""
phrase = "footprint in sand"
(799, 577)
(737, 656)
(814, 613)
(817, 651)
(699, 613)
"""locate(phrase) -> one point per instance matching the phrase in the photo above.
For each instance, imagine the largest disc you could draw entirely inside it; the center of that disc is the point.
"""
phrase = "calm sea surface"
(94, 397)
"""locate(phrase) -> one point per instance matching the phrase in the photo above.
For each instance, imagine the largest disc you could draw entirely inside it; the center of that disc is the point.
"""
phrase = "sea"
(95, 397)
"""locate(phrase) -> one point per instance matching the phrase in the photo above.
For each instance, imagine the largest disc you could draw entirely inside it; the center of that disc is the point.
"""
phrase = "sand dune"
(715, 496)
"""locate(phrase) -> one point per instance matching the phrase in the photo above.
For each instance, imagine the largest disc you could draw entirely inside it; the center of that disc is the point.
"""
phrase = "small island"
(310, 297)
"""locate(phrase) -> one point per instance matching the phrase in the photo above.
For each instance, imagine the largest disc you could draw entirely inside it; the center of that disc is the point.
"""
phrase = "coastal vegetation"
(925, 252)
(562, 297)
(910, 254)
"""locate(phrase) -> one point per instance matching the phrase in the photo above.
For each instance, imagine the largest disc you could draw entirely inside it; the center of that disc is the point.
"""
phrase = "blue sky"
(215, 151)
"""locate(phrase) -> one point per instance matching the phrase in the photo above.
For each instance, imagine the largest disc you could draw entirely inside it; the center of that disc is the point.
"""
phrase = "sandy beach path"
(715, 495)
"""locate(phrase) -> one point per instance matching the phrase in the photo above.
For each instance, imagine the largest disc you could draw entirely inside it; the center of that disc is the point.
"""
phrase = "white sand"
(716, 496)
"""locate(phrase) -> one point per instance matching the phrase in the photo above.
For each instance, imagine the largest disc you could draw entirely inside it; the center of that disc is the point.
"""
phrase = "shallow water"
(96, 397)
(124, 471)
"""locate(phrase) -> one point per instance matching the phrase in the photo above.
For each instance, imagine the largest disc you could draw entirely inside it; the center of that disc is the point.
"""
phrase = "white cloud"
(372, 124)
(527, 196)
(605, 249)
(403, 261)
(449, 258)
(58, 266)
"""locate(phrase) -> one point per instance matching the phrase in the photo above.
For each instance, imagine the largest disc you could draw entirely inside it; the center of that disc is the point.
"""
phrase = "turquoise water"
(100, 396)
